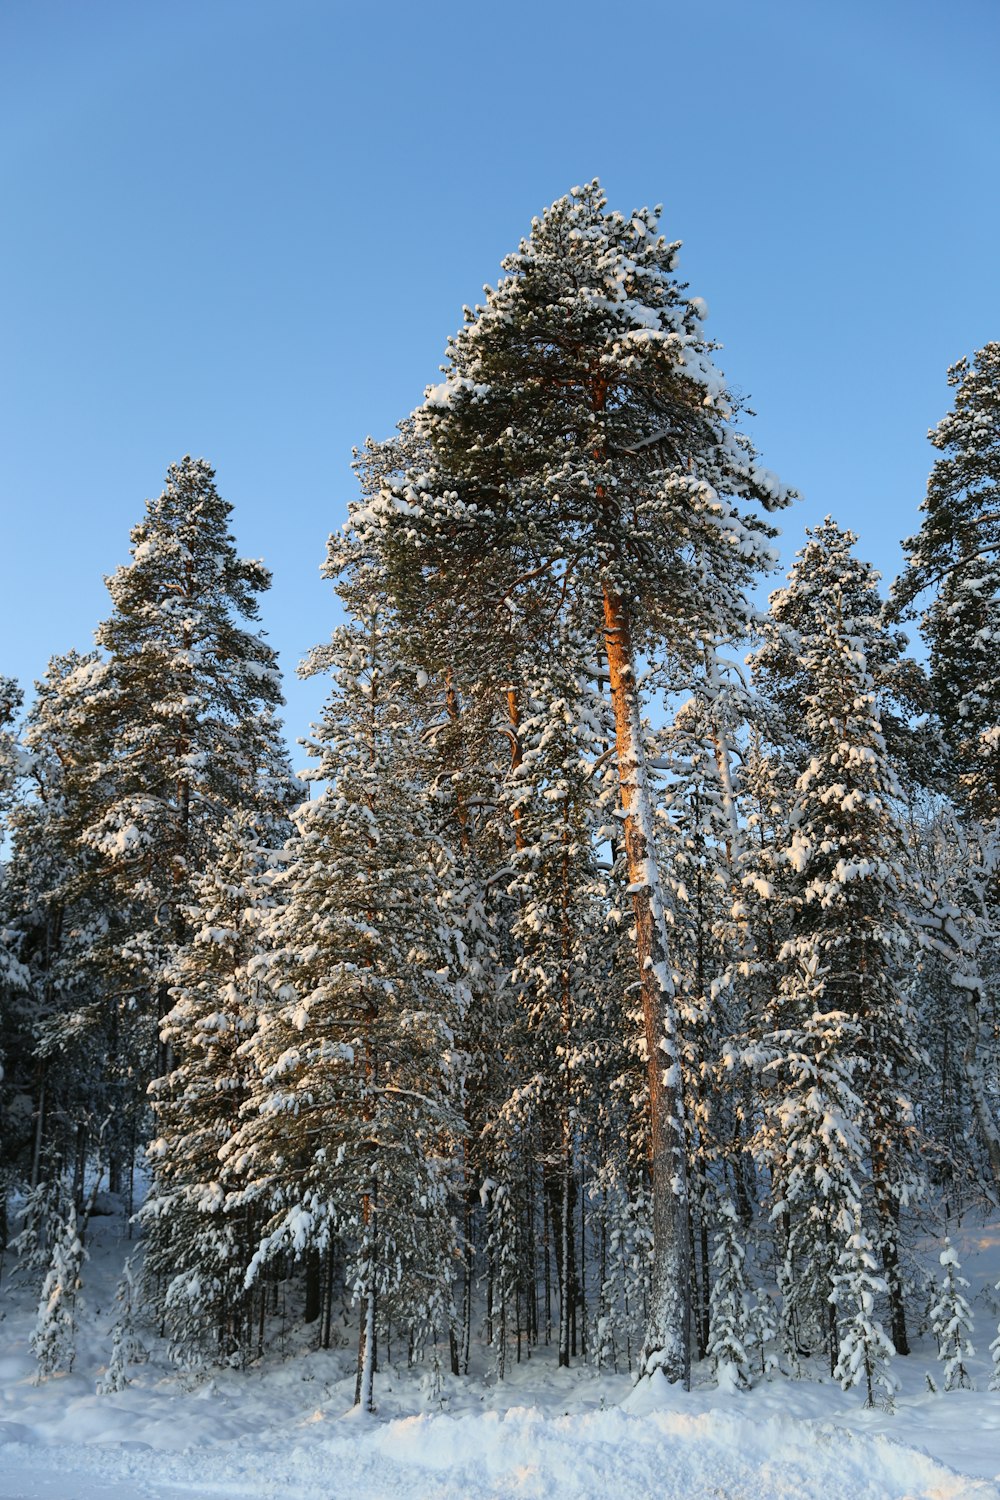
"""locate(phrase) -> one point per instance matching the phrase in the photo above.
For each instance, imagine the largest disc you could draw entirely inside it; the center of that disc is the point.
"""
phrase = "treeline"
(615, 990)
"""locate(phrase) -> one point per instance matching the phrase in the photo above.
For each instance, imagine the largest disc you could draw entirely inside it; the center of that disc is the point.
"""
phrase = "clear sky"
(244, 230)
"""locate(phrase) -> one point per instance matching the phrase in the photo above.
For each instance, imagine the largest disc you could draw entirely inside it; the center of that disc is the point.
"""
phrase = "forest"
(622, 975)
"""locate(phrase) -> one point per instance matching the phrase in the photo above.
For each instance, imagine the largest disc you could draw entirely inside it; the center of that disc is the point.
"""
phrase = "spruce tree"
(182, 730)
(730, 1327)
(127, 1348)
(865, 1351)
(582, 471)
(560, 972)
(349, 1134)
(197, 1252)
(955, 560)
(60, 1031)
(839, 1128)
(951, 1322)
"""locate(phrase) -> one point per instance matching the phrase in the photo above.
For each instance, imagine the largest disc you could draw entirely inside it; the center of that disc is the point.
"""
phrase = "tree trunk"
(36, 1152)
(314, 1287)
(667, 1341)
(364, 1388)
(988, 1133)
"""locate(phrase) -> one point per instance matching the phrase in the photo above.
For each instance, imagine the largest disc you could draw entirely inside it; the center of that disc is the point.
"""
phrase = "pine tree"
(53, 1341)
(959, 940)
(583, 473)
(197, 1252)
(701, 851)
(558, 974)
(349, 1134)
(182, 734)
(14, 980)
(69, 1038)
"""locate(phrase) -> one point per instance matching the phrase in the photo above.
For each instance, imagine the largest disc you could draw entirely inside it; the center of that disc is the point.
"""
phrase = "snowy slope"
(285, 1429)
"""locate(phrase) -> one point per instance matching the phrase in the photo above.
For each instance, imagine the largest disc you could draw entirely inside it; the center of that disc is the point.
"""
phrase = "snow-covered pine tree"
(53, 1341)
(955, 558)
(838, 1129)
(730, 1312)
(952, 578)
(351, 1131)
(959, 940)
(701, 851)
(460, 695)
(560, 974)
(13, 978)
(182, 729)
(197, 1252)
(59, 1029)
(865, 1351)
(952, 1322)
(127, 1348)
(583, 469)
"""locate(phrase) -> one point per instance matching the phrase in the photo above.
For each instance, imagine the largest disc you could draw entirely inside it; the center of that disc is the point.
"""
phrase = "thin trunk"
(887, 1210)
(667, 1342)
(581, 1301)
(36, 1154)
(516, 759)
(364, 1388)
(567, 1278)
(547, 1265)
(531, 1253)
(314, 1293)
(331, 1268)
(565, 1267)
(470, 1258)
(79, 1164)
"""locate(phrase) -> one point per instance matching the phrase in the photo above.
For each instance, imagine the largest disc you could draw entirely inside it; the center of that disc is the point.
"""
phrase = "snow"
(286, 1428)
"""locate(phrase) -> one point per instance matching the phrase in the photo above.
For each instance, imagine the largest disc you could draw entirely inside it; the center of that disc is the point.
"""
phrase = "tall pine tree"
(583, 472)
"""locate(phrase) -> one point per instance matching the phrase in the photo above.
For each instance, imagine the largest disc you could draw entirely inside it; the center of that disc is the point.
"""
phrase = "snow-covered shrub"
(126, 1347)
(54, 1340)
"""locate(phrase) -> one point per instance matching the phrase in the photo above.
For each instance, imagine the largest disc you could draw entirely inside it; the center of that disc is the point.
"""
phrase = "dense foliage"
(604, 994)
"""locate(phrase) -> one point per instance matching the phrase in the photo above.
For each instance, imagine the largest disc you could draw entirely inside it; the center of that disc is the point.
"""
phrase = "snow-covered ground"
(286, 1429)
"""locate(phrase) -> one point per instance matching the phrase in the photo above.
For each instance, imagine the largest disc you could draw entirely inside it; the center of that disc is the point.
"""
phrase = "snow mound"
(629, 1454)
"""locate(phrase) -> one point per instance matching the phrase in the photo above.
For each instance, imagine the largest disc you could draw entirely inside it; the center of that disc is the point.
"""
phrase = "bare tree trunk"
(667, 1343)
(364, 1388)
(36, 1153)
(314, 1287)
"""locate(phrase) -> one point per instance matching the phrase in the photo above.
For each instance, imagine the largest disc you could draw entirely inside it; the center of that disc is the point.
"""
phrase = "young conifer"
(350, 1133)
(952, 1322)
(53, 1341)
(197, 1249)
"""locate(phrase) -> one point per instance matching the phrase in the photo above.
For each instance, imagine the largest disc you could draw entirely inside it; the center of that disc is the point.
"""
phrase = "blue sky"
(245, 230)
